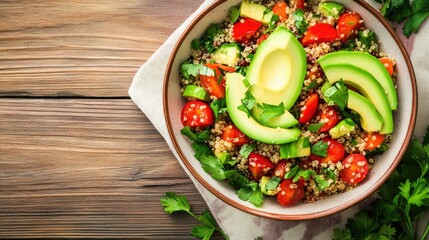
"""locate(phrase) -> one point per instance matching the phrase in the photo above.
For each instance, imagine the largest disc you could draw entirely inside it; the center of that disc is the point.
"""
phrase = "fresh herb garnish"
(272, 184)
(236, 179)
(248, 102)
(337, 94)
(246, 149)
(195, 44)
(218, 106)
(207, 40)
(313, 85)
(195, 136)
(213, 166)
(293, 171)
(300, 23)
(176, 203)
(314, 127)
(273, 23)
(303, 173)
(188, 69)
(200, 150)
(414, 13)
(320, 149)
(403, 198)
(269, 111)
(251, 192)
(325, 179)
(234, 13)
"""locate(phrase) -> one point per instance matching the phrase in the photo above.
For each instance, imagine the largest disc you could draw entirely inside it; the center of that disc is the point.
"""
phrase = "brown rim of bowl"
(260, 212)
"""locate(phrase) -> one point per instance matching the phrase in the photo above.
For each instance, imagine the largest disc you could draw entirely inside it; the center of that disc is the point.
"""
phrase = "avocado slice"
(263, 184)
(366, 84)
(278, 69)
(370, 119)
(235, 91)
(345, 126)
(299, 148)
(252, 10)
(285, 120)
(370, 64)
(331, 9)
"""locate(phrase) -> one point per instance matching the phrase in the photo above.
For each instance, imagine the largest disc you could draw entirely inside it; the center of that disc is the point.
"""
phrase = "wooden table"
(77, 157)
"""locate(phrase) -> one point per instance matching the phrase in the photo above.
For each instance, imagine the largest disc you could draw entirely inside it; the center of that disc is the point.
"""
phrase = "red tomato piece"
(197, 114)
(280, 169)
(259, 166)
(320, 32)
(373, 140)
(309, 109)
(328, 116)
(215, 85)
(220, 66)
(335, 152)
(234, 135)
(290, 193)
(355, 168)
(262, 38)
(243, 31)
(279, 9)
(387, 62)
(299, 4)
(348, 25)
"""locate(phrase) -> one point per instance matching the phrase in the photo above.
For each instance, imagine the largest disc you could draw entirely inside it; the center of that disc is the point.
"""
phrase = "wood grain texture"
(81, 47)
(86, 168)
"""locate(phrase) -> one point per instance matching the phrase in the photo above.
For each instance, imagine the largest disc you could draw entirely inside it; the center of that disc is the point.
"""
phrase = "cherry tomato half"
(259, 166)
(335, 152)
(243, 31)
(290, 193)
(373, 140)
(197, 114)
(329, 116)
(280, 169)
(348, 25)
(309, 109)
(299, 4)
(262, 38)
(355, 168)
(215, 85)
(320, 32)
(234, 135)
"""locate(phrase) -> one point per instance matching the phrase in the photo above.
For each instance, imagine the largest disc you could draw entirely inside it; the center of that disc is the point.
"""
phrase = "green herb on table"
(176, 203)
(413, 13)
(403, 198)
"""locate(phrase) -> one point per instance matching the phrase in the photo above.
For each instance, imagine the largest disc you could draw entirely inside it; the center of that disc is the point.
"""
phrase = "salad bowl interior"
(404, 119)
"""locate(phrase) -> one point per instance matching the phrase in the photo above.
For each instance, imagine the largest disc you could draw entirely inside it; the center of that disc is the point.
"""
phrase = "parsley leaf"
(175, 203)
(292, 173)
(188, 69)
(337, 94)
(213, 166)
(269, 111)
(273, 23)
(218, 106)
(195, 44)
(248, 102)
(234, 13)
(198, 136)
(304, 173)
(300, 23)
(272, 184)
(251, 192)
(314, 127)
(320, 149)
(201, 149)
(246, 149)
(207, 40)
(236, 179)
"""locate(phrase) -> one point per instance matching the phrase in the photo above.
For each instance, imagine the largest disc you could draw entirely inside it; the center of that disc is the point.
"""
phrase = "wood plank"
(81, 48)
(87, 168)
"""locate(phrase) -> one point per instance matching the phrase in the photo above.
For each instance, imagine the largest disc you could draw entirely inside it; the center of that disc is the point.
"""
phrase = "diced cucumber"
(192, 91)
(227, 54)
(252, 10)
(299, 148)
(342, 128)
(331, 9)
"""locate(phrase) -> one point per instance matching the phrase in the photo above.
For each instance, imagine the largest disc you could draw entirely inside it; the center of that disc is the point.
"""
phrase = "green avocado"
(370, 64)
(367, 85)
(370, 120)
(228, 54)
(331, 9)
(286, 120)
(252, 10)
(345, 126)
(263, 184)
(278, 69)
(235, 92)
(299, 148)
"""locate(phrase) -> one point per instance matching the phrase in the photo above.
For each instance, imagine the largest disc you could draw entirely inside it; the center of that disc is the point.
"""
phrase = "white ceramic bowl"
(385, 164)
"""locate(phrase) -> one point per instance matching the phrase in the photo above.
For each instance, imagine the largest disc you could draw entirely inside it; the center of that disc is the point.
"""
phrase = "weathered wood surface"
(77, 157)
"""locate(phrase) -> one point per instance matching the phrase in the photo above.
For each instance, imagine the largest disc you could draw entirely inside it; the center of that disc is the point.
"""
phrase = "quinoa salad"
(288, 100)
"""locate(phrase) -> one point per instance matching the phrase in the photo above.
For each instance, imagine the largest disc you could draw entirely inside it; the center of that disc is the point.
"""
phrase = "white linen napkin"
(146, 92)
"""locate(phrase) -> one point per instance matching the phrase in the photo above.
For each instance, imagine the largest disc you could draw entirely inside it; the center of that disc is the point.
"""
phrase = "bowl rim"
(259, 212)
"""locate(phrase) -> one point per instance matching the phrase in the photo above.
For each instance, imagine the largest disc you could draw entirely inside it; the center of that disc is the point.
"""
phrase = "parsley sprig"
(413, 13)
(176, 203)
(403, 198)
